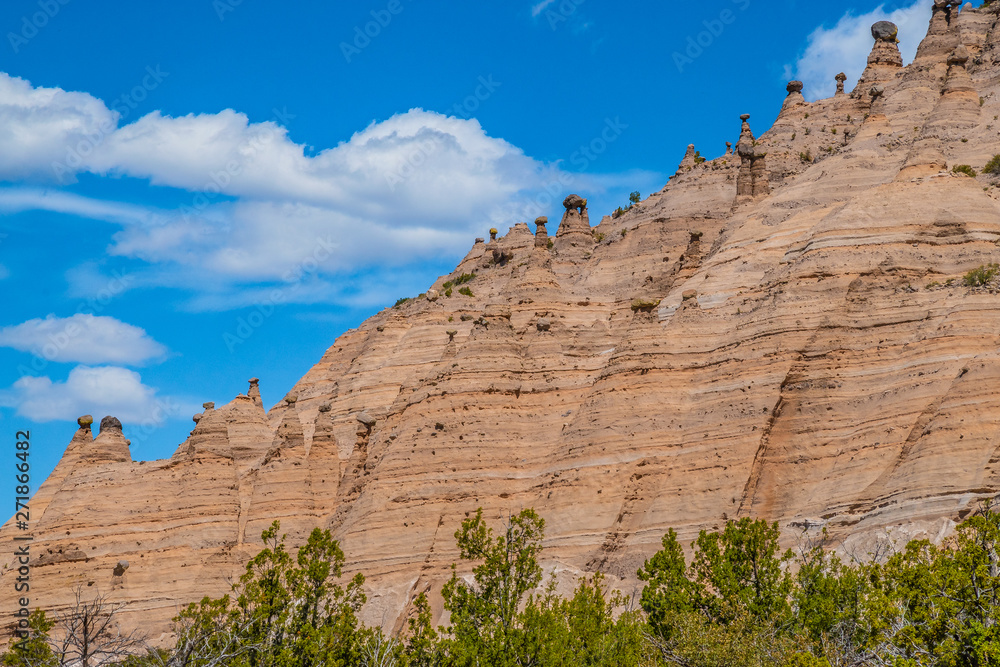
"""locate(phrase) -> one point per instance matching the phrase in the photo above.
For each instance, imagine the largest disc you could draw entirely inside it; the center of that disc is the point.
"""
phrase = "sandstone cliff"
(781, 332)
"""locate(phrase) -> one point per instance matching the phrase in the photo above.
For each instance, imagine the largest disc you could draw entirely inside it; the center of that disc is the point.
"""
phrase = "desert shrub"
(964, 169)
(981, 275)
(993, 166)
(466, 291)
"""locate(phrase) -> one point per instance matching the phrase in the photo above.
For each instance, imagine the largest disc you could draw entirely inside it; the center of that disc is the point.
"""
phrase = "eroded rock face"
(810, 357)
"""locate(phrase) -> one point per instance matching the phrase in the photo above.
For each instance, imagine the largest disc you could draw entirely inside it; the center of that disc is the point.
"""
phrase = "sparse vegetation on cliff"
(964, 169)
(981, 275)
(993, 166)
(449, 286)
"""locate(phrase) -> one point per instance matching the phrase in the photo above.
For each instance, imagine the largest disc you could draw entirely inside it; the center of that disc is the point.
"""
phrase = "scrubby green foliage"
(466, 291)
(497, 621)
(635, 197)
(737, 603)
(461, 280)
(993, 166)
(964, 169)
(285, 611)
(981, 275)
(400, 302)
(35, 651)
(736, 599)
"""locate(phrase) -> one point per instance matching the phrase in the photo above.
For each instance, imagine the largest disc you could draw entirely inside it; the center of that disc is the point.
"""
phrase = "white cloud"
(845, 46)
(82, 338)
(105, 390)
(540, 7)
(41, 126)
(15, 200)
(414, 188)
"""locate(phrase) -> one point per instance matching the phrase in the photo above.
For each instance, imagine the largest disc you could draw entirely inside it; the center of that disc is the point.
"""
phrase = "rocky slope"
(781, 332)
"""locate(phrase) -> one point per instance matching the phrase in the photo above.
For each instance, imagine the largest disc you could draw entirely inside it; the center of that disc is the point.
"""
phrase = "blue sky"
(197, 192)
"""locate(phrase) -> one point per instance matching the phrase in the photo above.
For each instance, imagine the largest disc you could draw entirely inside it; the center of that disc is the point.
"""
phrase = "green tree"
(35, 651)
(422, 641)
(729, 606)
(285, 612)
(484, 614)
(583, 630)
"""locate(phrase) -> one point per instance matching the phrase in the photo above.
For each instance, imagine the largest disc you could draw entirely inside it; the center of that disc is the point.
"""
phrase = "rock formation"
(884, 62)
(541, 235)
(753, 180)
(794, 98)
(574, 236)
(811, 356)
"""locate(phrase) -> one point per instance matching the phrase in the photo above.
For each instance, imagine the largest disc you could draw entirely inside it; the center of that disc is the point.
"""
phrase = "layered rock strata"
(788, 339)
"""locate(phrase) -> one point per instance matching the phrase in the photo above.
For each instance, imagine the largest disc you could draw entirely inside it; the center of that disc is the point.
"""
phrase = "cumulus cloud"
(40, 125)
(255, 207)
(104, 390)
(82, 338)
(845, 46)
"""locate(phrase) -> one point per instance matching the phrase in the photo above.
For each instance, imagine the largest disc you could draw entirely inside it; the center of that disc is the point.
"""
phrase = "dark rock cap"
(841, 77)
(745, 117)
(574, 201)
(542, 221)
(85, 421)
(885, 31)
(794, 87)
(110, 423)
(366, 419)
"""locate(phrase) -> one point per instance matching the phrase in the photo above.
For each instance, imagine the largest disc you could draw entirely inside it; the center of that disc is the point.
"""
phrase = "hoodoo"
(752, 182)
